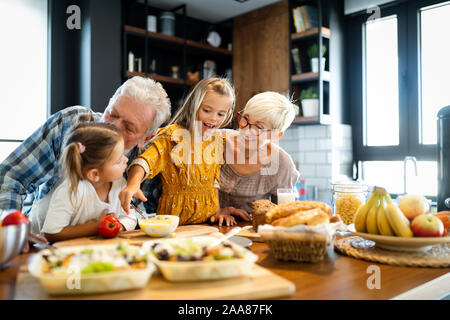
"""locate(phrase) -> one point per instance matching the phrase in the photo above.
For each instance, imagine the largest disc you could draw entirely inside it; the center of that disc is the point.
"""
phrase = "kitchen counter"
(337, 277)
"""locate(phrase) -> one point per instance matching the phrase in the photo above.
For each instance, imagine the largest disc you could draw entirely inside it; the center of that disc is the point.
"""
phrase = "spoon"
(135, 207)
(229, 234)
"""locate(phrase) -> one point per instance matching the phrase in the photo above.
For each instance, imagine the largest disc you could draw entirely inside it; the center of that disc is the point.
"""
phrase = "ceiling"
(212, 10)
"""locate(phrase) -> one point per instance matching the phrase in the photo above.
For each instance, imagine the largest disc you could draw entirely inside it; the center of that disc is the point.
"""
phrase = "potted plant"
(310, 102)
(313, 53)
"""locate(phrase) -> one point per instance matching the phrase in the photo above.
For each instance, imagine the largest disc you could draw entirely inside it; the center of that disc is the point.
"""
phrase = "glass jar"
(348, 196)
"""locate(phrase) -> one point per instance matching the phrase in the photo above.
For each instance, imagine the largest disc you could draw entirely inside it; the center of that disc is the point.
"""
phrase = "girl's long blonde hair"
(187, 114)
(88, 145)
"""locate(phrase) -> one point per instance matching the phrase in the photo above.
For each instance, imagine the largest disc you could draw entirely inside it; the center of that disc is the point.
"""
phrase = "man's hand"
(127, 194)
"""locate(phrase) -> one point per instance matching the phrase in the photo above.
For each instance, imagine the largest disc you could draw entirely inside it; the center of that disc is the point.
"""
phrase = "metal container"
(13, 238)
(167, 23)
(443, 143)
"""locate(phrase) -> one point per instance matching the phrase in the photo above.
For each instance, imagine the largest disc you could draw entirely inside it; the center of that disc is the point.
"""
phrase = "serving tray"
(260, 284)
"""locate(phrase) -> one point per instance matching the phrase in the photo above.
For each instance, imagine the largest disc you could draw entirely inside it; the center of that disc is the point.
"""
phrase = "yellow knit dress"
(188, 190)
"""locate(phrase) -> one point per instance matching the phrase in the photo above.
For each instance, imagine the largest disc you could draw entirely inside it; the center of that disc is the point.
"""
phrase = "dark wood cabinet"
(187, 49)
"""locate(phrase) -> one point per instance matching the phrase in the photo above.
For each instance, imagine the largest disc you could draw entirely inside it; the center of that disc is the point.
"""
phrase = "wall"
(353, 6)
(322, 154)
(85, 64)
(64, 62)
(261, 52)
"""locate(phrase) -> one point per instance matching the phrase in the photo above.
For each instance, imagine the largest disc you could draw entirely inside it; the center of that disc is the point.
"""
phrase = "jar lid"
(349, 187)
(167, 15)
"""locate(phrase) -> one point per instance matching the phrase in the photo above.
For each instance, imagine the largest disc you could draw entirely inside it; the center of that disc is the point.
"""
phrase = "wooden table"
(337, 277)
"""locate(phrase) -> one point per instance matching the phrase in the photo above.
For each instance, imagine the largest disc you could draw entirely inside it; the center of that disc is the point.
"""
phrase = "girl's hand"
(102, 215)
(26, 246)
(236, 212)
(130, 192)
(220, 218)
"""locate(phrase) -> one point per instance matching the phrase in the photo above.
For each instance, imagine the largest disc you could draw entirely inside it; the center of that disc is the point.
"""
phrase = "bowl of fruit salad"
(92, 269)
(194, 259)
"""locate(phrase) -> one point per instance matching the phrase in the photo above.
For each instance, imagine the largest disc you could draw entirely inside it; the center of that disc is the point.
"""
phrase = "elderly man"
(138, 108)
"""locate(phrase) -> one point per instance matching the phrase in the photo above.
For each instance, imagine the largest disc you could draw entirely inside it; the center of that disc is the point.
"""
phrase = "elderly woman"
(254, 166)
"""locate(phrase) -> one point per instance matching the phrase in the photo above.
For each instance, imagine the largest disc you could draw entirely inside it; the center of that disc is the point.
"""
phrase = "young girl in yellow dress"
(188, 154)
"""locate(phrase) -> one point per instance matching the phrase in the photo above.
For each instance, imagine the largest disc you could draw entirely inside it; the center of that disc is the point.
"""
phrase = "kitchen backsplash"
(322, 154)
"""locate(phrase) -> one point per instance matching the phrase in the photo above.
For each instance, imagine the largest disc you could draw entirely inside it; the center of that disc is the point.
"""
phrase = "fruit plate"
(401, 244)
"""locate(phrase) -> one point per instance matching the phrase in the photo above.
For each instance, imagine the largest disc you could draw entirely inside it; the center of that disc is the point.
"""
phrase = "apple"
(413, 205)
(15, 218)
(425, 225)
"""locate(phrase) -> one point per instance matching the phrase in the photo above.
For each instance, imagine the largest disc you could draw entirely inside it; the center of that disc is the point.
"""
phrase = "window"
(396, 91)
(435, 67)
(23, 65)
(381, 70)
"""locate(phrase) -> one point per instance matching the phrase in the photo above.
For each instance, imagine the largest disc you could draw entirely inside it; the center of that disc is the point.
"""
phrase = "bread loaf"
(259, 209)
(286, 209)
(309, 217)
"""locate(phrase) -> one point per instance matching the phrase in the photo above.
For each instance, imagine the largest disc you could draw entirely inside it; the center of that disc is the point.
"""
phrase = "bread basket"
(300, 243)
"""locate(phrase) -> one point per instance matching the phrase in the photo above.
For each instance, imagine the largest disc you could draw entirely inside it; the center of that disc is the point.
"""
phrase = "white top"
(55, 211)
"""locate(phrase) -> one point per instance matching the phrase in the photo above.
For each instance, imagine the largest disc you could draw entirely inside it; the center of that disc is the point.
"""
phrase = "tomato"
(444, 216)
(15, 218)
(109, 227)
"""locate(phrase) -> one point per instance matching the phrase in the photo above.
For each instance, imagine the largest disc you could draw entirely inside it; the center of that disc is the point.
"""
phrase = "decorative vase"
(310, 107)
(315, 64)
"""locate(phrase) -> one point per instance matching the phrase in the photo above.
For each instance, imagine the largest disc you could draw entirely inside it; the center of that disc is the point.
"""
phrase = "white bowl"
(159, 226)
(82, 284)
(203, 270)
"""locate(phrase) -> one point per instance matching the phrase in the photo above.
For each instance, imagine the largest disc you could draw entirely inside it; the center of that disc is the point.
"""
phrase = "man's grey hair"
(148, 92)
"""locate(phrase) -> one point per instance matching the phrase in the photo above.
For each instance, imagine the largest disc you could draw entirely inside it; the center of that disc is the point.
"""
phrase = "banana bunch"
(380, 216)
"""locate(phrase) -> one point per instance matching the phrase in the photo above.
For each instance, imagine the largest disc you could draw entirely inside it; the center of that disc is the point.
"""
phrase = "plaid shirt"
(32, 170)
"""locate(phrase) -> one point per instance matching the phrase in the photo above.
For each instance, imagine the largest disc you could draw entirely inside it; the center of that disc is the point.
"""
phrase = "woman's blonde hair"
(187, 115)
(274, 107)
(88, 145)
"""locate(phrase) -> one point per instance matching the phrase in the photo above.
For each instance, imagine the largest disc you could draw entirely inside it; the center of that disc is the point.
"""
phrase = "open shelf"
(311, 33)
(160, 78)
(175, 40)
(157, 77)
(324, 119)
(309, 76)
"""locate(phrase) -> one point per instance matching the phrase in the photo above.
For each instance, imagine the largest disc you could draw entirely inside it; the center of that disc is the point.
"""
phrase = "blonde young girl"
(189, 181)
(94, 162)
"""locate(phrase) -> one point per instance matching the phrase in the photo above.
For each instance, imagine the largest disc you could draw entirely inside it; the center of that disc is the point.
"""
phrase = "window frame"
(408, 17)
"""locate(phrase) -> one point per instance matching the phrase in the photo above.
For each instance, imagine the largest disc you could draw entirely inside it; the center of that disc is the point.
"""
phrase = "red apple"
(427, 226)
(413, 205)
(15, 218)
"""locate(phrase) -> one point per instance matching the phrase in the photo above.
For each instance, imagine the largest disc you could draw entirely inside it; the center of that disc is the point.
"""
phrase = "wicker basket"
(298, 244)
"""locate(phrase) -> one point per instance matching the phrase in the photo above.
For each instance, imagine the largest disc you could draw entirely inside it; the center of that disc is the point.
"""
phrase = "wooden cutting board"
(261, 284)
(250, 234)
(137, 237)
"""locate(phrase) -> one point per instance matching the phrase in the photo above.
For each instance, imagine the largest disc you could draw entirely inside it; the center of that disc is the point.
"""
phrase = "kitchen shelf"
(159, 78)
(313, 32)
(309, 76)
(299, 44)
(175, 40)
(324, 119)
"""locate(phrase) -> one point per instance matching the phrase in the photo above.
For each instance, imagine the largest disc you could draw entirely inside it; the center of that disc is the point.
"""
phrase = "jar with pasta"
(348, 196)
